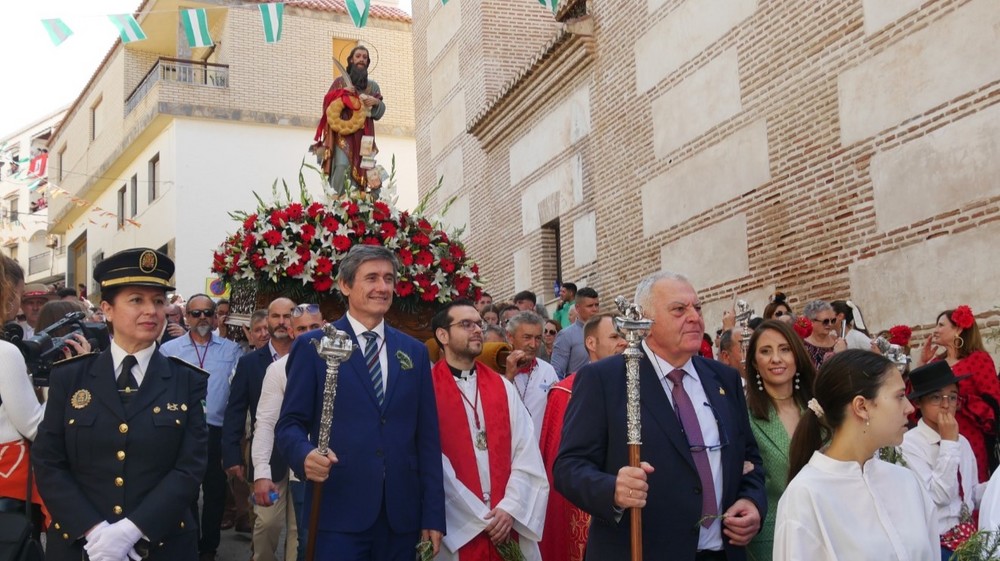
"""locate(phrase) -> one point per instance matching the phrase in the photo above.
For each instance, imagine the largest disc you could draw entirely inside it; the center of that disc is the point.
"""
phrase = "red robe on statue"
(566, 526)
(456, 442)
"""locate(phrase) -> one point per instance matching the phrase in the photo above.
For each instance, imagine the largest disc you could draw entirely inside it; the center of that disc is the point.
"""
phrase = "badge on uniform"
(172, 407)
(722, 391)
(80, 399)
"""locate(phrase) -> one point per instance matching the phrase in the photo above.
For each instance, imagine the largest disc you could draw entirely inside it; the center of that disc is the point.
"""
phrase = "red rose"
(258, 261)
(314, 210)
(406, 257)
(304, 254)
(324, 266)
(351, 207)
(330, 224)
(430, 294)
(424, 225)
(322, 283)
(803, 327)
(308, 233)
(420, 239)
(272, 237)
(295, 269)
(422, 281)
(900, 335)
(250, 222)
(456, 251)
(294, 212)
(380, 212)
(278, 218)
(341, 243)
(388, 230)
(404, 288)
(462, 285)
(359, 228)
(962, 317)
(371, 241)
(441, 236)
(249, 242)
(424, 258)
(447, 266)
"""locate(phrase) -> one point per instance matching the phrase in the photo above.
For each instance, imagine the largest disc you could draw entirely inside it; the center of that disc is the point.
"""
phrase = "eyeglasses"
(199, 313)
(550, 332)
(723, 437)
(469, 325)
(828, 321)
(303, 309)
(936, 399)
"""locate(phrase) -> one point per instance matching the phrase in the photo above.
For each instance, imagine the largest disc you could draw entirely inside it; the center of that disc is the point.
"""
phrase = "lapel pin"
(722, 391)
(171, 407)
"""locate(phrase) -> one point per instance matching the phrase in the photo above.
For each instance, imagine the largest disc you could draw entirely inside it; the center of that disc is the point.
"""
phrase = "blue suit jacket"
(244, 395)
(594, 448)
(389, 454)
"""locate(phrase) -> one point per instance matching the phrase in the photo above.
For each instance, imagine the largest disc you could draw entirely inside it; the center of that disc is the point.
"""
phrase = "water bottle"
(272, 495)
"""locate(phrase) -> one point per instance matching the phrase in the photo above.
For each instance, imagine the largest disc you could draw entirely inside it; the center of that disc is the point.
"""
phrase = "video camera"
(45, 348)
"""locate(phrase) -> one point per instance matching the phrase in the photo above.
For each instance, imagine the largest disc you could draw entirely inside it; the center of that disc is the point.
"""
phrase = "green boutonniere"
(404, 360)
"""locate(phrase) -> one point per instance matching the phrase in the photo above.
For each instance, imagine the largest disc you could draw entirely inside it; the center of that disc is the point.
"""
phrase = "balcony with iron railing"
(194, 72)
(39, 263)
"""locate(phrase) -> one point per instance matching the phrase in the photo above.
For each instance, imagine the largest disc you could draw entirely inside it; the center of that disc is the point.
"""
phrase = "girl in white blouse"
(841, 503)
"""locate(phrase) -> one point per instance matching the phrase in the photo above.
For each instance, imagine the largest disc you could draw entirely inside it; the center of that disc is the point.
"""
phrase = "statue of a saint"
(345, 138)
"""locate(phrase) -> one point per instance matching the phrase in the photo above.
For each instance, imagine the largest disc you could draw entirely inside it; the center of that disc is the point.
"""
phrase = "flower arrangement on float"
(294, 249)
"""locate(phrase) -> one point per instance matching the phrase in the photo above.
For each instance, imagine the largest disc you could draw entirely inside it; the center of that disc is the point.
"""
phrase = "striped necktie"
(374, 368)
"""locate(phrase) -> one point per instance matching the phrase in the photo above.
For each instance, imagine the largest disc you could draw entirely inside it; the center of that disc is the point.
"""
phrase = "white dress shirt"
(272, 392)
(142, 358)
(711, 537)
(383, 354)
(20, 411)
(835, 511)
(937, 463)
(533, 389)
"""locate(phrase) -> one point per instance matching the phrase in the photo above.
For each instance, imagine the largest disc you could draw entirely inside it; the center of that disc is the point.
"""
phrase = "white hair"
(644, 290)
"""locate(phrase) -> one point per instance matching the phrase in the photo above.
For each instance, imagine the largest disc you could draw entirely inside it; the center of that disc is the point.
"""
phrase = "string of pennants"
(195, 22)
(34, 175)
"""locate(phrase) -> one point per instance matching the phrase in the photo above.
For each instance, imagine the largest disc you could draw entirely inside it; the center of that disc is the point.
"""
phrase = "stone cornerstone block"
(712, 255)
(563, 127)
(585, 239)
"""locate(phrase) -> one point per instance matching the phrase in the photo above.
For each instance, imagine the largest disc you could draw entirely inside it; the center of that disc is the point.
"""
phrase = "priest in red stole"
(566, 526)
(494, 480)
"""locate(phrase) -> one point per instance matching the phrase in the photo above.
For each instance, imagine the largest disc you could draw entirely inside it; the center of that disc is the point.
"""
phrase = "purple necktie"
(689, 420)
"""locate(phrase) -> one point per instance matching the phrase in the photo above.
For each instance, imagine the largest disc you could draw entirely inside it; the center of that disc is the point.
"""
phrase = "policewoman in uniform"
(122, 448)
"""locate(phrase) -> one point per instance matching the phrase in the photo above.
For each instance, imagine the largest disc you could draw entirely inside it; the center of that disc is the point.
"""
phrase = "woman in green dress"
(779, 383)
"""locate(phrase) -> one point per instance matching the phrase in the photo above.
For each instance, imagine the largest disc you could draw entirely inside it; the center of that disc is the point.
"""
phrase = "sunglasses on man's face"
(199, 313)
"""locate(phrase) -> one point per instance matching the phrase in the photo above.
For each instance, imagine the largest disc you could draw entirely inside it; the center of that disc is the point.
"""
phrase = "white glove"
(114, 542)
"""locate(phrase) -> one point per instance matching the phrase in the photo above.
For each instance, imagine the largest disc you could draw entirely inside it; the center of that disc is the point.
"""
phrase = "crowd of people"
(789, 436)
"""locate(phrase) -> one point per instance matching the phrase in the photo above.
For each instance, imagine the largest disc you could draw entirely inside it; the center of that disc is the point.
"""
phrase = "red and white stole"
(456, 441)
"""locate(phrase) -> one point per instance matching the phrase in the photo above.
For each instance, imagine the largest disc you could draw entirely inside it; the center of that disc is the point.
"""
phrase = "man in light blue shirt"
(217, 357)
(569, 354)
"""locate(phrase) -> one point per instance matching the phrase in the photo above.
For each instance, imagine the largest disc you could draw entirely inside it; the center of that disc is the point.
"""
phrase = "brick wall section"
(806, 226)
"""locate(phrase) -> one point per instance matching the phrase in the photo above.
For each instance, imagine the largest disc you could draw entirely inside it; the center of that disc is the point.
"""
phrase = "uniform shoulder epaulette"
(183, 362)
(75, 358)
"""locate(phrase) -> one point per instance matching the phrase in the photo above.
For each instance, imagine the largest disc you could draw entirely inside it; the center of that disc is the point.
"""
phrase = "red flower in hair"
(962, 317)
(900, 335)
(803, 327)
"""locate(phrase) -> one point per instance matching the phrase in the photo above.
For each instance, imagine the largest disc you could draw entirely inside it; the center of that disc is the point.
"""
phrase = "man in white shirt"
(532, 377)
(305, 317)
(493, 473)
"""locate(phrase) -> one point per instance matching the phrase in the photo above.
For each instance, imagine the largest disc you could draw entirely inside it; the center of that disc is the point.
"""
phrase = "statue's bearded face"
(359, 76)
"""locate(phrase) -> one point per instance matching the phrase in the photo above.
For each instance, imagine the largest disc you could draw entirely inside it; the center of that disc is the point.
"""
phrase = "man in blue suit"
(701, 484)
(383, 487)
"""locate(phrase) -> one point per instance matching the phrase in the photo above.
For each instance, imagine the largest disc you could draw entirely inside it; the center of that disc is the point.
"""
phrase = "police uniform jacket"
(98, 460)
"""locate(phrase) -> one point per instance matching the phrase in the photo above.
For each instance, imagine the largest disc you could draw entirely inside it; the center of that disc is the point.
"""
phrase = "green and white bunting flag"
(550, 4)
(359, 11)
(272, 16)
(58, 31)
(196, 27)
(128, 28)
